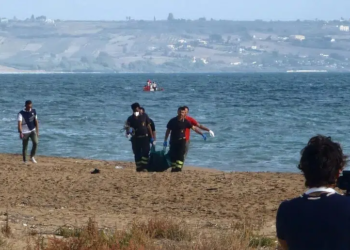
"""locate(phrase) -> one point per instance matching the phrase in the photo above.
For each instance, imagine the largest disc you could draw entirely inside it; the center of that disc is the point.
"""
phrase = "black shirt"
(178, 128)
(139, 124)
(321, 223)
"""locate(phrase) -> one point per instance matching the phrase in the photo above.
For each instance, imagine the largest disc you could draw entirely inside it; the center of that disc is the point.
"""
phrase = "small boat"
(150, 89)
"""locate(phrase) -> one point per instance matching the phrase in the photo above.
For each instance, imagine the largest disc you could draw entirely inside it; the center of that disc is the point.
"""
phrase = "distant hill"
(42, 44)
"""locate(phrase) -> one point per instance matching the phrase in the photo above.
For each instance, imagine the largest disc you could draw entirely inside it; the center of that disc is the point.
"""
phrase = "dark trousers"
(177, 154)
(141, 148)
(32, 135)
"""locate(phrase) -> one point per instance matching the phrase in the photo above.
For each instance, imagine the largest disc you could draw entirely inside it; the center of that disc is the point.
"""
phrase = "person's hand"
(21, 136)
(204, 137)
(211, 133)
(151, 140)
(165, 144)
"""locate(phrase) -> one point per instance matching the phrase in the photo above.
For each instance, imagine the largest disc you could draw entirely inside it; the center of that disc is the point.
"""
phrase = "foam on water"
(260, 121)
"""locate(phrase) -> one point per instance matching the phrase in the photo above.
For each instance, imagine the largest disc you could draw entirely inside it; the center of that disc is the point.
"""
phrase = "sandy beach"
(62, 191)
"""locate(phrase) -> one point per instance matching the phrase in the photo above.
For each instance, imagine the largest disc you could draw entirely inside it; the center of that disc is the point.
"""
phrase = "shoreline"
(62, 191)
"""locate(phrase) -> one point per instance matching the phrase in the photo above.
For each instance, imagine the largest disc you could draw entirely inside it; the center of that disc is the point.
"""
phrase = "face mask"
(136, 113)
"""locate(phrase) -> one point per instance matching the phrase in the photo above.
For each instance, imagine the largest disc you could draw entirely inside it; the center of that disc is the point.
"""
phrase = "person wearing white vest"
(319, 219)
(28, 128)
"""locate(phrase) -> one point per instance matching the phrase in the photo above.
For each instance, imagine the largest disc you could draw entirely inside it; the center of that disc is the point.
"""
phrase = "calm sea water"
(261, 121)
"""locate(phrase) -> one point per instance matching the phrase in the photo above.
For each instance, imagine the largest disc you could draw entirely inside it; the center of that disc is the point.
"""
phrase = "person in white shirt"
(154, 86)
(28, 128)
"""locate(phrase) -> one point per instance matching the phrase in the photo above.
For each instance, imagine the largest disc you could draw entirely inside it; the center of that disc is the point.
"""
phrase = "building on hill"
(344, 28)
(298, 37)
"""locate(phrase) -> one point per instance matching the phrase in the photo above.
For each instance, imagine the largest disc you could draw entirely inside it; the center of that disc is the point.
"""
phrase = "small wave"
(8, 119)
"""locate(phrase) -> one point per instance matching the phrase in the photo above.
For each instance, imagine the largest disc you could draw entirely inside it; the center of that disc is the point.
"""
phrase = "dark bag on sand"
(159, 161)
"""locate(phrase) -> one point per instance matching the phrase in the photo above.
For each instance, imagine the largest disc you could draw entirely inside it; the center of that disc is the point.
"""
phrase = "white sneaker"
(33, 160)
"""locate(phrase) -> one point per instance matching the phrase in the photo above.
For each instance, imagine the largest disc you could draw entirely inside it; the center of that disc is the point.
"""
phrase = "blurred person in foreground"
(320, 218)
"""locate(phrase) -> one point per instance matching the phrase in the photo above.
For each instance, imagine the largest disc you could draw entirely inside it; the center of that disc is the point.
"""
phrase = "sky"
(187, 9)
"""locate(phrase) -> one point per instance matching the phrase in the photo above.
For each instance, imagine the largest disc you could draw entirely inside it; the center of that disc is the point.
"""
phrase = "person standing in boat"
(154, 86)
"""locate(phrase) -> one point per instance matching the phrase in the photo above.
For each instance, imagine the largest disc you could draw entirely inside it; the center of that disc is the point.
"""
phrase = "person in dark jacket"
(138, 126)
(319, 219)
(28, 128)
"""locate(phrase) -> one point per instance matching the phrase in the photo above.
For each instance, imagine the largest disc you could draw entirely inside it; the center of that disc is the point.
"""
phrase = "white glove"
(211, 133)
(154, 143)
(128, 136)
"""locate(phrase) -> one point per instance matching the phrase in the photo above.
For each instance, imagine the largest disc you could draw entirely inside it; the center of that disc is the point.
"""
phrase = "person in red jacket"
(197, 125)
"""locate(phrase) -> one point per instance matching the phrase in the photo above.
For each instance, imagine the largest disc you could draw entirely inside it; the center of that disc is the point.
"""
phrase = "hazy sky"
(188, 9)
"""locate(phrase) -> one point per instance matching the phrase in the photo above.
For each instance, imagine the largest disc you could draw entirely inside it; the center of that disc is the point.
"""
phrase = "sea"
(261, 121)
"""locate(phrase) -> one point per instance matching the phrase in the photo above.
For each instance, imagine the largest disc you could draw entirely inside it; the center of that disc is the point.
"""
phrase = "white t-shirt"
(25, 129)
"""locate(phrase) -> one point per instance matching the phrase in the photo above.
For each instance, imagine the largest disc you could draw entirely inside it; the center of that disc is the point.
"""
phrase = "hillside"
(173, 46)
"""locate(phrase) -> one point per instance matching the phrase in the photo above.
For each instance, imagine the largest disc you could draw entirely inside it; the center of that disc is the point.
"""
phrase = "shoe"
(174, 170)
(25, 162)
(33, 160)
(96, 171)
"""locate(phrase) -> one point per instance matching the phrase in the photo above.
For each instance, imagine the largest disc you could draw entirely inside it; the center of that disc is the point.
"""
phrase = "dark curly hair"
(321, 161)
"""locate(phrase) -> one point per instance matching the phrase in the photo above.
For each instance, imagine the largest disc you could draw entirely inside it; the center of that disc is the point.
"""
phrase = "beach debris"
(25, 225)
(118, 167)
(212, 189)
(96, 171)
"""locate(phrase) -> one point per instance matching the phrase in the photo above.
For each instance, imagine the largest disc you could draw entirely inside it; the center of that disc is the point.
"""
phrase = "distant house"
(202, 42)
(170, 46)
(50, 21)
(344, 28)
(182, 41)
(298, 37)
(236, 63)
(204, 60)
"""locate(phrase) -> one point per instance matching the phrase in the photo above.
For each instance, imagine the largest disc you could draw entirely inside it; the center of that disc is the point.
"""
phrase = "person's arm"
(127, 128)
(194, 128)
(197, 130)
(280, 226)
(20, 125)
(148, 124)
(153, 127)
(150, 131)
(198, 125)
(37, 125)
(167, 133)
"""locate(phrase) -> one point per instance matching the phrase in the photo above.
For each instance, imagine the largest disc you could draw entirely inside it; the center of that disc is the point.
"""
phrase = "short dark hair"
(142, 108)
(181, 108)
(28, 102)
(135, 105)
(187, 108)
(321, 161)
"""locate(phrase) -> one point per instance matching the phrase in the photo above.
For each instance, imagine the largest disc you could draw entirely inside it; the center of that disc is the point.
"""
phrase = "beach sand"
(62, 191)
